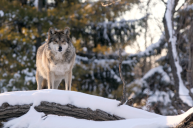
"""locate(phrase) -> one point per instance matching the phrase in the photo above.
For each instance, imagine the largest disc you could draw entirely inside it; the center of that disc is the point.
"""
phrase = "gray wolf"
(55, 60)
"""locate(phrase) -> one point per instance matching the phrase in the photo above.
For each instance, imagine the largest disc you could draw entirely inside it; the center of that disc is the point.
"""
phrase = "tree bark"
(7, 111)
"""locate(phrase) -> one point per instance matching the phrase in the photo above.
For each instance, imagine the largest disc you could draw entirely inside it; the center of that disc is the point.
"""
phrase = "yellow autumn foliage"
(101, 49)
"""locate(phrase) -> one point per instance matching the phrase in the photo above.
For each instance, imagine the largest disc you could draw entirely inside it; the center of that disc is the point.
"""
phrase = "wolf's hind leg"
(39, 80)
(56, 84)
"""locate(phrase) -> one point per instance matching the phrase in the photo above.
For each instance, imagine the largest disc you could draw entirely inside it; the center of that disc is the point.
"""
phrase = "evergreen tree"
(95, 31)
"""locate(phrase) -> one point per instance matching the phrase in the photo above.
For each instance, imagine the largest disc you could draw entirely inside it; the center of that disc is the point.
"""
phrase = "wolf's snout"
(60, 49)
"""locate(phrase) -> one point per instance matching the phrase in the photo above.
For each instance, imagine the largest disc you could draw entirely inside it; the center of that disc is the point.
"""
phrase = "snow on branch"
(118, 24)
(110, 28)
(159, 70)
(80, 58)
(131, 60)
(187, 8)
(105, 63)
(183, 91)
(149, 74)
(153, 49)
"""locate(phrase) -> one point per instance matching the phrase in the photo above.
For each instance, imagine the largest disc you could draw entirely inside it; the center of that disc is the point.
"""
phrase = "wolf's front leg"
(69, 80)
(66, 81)
(50, 78)
(39, 80)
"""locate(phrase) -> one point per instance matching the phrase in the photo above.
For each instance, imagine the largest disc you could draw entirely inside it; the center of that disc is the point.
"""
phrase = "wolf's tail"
(44, 84)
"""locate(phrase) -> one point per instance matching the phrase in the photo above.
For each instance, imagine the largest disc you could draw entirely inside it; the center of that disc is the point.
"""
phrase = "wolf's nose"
(60, 49)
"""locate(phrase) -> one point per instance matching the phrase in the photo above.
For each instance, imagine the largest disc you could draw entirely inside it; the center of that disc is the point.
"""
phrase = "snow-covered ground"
(135, 118)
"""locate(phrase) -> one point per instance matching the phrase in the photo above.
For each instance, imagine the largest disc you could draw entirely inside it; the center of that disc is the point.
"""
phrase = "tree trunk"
(123, 99)
(190, 63)
(172, 60)
(176, 101)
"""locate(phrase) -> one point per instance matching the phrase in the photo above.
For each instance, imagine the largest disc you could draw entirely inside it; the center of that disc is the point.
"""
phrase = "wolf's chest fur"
(58, 56)
(59, 67)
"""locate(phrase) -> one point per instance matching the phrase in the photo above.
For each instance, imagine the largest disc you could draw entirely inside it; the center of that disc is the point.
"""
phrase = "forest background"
(157, 79)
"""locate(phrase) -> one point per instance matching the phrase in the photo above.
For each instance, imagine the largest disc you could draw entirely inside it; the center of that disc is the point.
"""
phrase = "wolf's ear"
(67, 31)
(51, 31)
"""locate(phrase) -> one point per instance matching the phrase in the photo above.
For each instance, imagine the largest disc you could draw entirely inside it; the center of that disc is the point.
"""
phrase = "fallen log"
(73, 111)
(8, 111)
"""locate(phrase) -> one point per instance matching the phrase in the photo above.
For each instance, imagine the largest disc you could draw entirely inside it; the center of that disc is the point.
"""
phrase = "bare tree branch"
(164, 2)
(121, 75)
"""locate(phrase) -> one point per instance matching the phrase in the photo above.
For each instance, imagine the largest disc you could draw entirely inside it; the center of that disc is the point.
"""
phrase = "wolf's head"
(58, 40)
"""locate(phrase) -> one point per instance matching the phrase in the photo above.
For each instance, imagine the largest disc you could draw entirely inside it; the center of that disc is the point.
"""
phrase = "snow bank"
(135, 118)
(74, 98)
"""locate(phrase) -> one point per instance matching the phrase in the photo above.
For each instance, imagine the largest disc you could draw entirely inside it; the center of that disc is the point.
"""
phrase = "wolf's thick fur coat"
(55, 60)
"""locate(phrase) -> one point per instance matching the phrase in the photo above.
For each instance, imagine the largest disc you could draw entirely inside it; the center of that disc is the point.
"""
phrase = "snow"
(149, 50)
(29, 76)
(118, 24)
(160, 70)
(149, 74)
(102, 62)
(105, 33)
(1, 13)
(160, 96)
(155, 94)
(84, 49)
(74, 98)
(80, 58)
(188, 7)
(183, 91)
(36, 3)
(135, 118)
